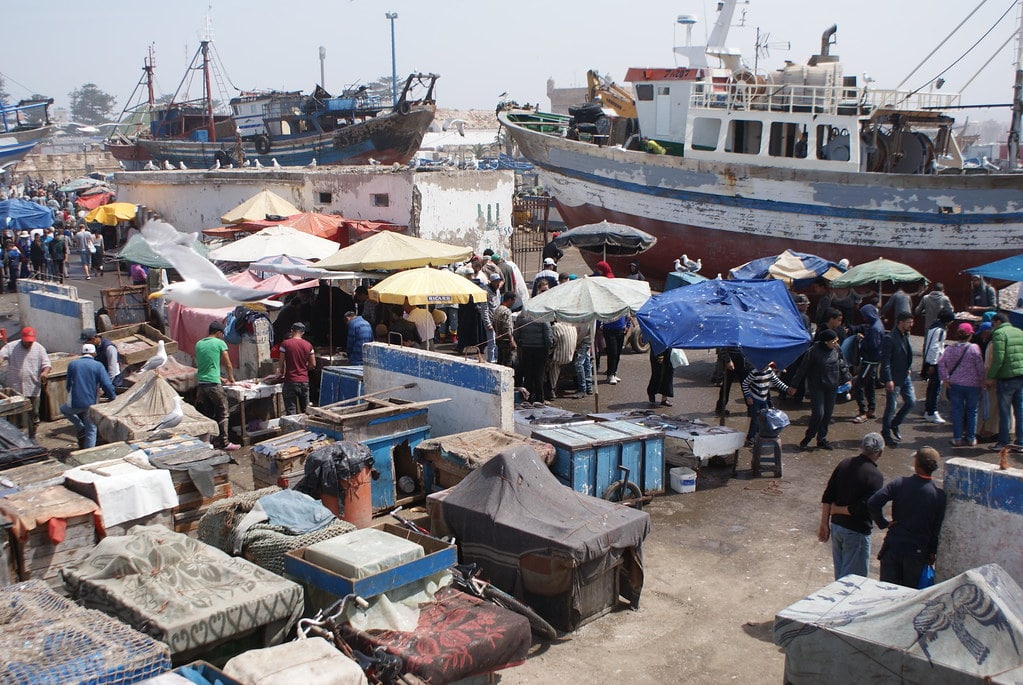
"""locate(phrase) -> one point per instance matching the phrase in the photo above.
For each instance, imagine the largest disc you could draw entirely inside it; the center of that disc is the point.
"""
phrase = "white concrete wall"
(460, 207)
(983, 519)
(56, 312)
(482, 395)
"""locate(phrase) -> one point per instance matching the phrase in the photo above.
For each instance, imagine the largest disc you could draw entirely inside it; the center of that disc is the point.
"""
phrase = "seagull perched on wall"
(373, 162)
(121, 164)
(312, 164)
(181, 165)
(150, 166)
(258, 164)
(167, 165)
(204, 285)
(275, 163)
(173, 417)
(157, 360)
(247, 163)
(216, 165)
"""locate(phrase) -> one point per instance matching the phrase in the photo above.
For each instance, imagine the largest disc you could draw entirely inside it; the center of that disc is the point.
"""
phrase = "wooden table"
(241, 395)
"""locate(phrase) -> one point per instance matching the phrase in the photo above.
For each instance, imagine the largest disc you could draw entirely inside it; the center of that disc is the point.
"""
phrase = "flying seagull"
(157, 360)
(173, 417)
(205, 286)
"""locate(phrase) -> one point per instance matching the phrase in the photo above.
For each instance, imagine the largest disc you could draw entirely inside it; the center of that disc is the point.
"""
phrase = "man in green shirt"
(210, 358)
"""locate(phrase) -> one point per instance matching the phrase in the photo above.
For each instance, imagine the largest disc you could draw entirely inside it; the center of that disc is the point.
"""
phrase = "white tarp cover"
(133, 415)
(968, 629)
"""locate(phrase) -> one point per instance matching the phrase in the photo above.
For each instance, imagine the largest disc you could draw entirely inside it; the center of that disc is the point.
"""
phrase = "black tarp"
(531, 534)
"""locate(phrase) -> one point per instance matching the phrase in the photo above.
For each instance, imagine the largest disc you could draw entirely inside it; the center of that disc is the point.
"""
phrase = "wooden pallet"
(39, 558)
(40, 474)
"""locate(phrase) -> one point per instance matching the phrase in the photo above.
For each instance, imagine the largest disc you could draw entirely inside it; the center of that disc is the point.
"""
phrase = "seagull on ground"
(173, 417)
(167, 165)
(157, 360)
(204, 285)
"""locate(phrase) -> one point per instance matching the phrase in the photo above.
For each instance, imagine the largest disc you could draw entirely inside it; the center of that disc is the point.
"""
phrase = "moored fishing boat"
(729, 166)
(22, 126)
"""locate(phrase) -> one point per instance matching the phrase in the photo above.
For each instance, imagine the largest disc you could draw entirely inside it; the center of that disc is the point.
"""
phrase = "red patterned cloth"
(457, 636)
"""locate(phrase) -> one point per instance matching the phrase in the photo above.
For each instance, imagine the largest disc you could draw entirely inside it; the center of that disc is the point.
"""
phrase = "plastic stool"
(760, 459)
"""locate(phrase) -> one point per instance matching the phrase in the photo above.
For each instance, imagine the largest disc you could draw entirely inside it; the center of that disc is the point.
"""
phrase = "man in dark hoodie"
(871, 335)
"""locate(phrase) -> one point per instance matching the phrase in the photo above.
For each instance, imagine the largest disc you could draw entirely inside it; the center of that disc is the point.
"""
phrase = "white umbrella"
(275, 240)
(586, 299)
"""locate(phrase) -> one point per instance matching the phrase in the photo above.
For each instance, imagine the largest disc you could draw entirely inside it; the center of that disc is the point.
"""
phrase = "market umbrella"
(585, 299)
(794, 269)
(258, 207)
(878, 271)
(80, 184)
(112, 214)
(607, 238)
(427, 285)
(23, 215)
(320, 225)
(1008, 269)
(276, 240)
(758, 317)
(285, 262)
(137, 250)
(91, 202)
(278, 284)
(388, 250)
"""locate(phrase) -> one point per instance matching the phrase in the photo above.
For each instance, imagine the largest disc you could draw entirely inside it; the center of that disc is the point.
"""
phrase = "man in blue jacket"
(897, 376)
(360, 332)
(85, 376)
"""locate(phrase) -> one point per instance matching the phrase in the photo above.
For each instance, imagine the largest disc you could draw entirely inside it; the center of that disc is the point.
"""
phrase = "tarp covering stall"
(968, 629)
(1008, 269)
(22, 215)
(514, 518)
(132, 415)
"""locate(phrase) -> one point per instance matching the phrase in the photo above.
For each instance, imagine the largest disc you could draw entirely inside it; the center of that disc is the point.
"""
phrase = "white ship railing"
(836, 100)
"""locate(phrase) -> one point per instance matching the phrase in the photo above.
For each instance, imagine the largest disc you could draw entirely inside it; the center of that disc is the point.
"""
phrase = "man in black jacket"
(918, 510)
(897, 376)
(822, 369)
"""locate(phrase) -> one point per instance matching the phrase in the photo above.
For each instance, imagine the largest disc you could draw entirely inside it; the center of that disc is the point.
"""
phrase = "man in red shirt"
(296, 359)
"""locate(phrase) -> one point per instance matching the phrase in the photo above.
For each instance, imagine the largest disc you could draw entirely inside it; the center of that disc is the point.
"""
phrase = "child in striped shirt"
(756, 388)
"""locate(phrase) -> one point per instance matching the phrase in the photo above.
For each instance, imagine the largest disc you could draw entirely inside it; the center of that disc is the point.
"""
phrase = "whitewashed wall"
(56, 312)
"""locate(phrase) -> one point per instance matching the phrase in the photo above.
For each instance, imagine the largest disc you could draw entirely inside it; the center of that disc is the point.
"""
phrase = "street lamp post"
(323, 56)
(394, 65)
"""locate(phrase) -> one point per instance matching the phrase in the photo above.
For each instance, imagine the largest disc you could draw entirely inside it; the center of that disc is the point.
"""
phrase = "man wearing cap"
(296, 359)
(918, 510)
(845, 520)
(28, 365)
(1006, 373)
(507, 272)
(211, 361)
(85, 376)
(106, 354)
(549, 273)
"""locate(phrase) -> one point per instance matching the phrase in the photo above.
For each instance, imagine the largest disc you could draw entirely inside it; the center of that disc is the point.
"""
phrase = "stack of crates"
(281, 461)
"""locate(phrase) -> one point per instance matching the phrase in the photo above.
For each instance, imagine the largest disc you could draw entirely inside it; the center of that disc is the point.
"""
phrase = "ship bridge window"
(644, 91)
(744, 136)
(706, 132)
(787, 140)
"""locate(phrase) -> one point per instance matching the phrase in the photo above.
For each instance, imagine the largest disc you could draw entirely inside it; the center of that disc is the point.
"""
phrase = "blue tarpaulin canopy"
(1008, 269)
(758, 317)
(797, 269)
(22, 215)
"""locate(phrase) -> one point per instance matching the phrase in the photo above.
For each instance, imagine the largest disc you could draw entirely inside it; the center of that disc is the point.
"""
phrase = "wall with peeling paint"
(454, 206)
(482, 395)
(983, 519)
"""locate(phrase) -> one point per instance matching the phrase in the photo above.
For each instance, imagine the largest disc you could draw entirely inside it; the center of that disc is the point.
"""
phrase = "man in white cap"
(549, 273)
(28, 365)
(85, 376)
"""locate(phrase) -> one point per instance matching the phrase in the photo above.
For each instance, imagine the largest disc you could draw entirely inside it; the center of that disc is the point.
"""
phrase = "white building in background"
(461, 207)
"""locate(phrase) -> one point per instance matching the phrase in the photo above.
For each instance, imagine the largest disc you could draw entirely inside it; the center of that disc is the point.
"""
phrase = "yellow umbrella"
(388, 250)
(258, 207)
(112, 214)
(427, 286)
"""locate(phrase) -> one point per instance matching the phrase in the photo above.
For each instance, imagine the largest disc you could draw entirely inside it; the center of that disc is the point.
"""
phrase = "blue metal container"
(340, 383)
(587, 456)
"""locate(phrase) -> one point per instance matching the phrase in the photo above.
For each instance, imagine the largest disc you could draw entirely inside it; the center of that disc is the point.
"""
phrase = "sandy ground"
(718, 562)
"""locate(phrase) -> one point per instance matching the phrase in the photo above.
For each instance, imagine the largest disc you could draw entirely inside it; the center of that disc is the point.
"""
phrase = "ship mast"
(1017, 96)
(205, 47)
(148, 67)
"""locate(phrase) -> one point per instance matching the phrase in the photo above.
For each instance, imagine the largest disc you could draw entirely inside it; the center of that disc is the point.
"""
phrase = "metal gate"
(529, 231)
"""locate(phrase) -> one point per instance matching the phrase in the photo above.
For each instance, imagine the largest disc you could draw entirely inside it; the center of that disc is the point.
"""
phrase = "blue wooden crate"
(340, 383)
(439, 555)
(587, 456)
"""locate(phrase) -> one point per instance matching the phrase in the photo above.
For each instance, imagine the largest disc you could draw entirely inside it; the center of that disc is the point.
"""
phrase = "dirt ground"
(719, 562)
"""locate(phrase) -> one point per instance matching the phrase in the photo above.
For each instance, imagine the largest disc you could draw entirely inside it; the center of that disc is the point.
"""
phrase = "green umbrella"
(878, 271)
(137, 250)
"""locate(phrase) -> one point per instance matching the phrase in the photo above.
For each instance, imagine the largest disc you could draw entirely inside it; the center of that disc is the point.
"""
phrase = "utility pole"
(323, 56)
(394, 64)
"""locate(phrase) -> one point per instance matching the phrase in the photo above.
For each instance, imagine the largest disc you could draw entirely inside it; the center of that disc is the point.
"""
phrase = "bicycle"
(624, 491)
(467, 578)
(380, 667)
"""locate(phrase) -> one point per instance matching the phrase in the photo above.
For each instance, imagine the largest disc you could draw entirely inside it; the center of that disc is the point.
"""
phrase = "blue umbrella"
(797, 269)
(758, 317)
(22, 215)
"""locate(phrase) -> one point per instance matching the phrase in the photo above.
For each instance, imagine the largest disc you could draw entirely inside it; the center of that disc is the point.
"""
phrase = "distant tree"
(381, 88)
(504, 140)
(90, 105)
(479, 150)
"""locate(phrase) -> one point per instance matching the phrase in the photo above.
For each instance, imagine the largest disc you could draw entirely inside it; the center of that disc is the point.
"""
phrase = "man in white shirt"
(423, 320)
(28, 365)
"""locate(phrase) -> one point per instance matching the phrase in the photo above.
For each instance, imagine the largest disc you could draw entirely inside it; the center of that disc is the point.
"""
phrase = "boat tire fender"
(222, 157)
(403, 107)
(262, 142)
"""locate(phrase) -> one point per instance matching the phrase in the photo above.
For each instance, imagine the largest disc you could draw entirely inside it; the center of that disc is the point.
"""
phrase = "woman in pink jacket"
(961, 369)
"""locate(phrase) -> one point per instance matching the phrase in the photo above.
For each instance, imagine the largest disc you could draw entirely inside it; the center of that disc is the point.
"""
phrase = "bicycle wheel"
(625, 492)
(536, 622)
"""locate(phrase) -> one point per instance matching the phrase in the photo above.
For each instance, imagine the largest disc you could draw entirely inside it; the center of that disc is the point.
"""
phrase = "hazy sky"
(482, 48)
